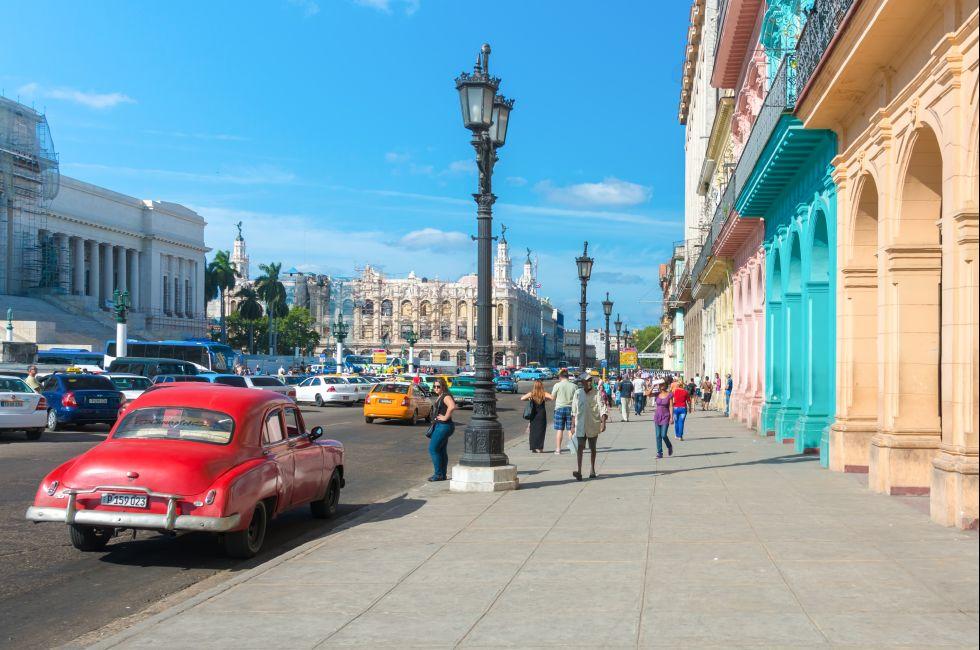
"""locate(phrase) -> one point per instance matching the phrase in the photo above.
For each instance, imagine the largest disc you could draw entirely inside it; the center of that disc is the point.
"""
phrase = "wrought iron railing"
(780, 98)
(821, 25)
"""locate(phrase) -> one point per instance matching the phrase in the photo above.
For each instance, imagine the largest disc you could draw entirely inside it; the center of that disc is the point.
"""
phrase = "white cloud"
(434, 239)
(516, 181)
(608, 192)
(461, 167)
(387, 6)
(396, 158)
(98, 101)
(309, 7)
(234, 175)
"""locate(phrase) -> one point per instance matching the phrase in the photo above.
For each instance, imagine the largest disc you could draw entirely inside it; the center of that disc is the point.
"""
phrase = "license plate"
(384, 401)
(125, 500)
(98, 400)
(11, 404)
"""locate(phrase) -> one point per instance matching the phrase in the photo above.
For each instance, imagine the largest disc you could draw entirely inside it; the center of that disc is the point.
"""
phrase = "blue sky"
(332, 127)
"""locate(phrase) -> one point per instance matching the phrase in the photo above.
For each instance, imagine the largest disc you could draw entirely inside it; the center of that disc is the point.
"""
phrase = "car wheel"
(414, 420)
(35, 434)
(89, 538)
(428, 416)
(246, 543)
(319, 400)
(369, 420)
(349, 404)
(52, 420)
(326, 508)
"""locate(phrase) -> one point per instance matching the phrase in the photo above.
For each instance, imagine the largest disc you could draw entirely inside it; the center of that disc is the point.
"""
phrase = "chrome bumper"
(134, 520)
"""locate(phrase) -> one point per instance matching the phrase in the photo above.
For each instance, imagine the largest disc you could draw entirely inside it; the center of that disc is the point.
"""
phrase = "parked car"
(225, 379)
(529, 374)
(21, 409)
(463, 389)
(295, 380)
(171, 379)
(79, 399)
(195, 458)
(325, 389)
(363, 385)
(268, 382)
(398, 400)
(506, 385)
(131, 386)
(151, 367)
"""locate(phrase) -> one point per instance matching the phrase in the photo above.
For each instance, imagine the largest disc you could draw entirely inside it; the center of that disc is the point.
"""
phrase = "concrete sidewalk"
(733, 541)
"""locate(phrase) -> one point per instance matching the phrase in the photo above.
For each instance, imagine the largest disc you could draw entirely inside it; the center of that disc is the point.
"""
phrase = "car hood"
(172, 467)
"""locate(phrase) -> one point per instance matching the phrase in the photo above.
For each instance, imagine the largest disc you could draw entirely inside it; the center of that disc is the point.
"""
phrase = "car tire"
(318, 399)
(326, 508)
(428, 416)
(349, 404)
(89, 538)
(414, 420)
(247, 543)
(52, 420)
(369, 420)
(35, 434)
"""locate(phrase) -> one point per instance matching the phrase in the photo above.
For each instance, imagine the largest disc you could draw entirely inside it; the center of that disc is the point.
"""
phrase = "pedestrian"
(564, 394)
(258, 369)
(537, 418)
(589, 416)
(31, 379)
(692, 392)
(441, 430)
(663, 403)
(706, 390)
(728, 394)
(637, 394)
(281, 372)
(681, 404)
(625, 397)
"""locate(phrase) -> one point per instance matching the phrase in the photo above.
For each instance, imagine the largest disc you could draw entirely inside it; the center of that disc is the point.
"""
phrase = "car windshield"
(176, 423)
(83, 382)
(266, 381)
(231, 381)
(130, 383)
(464, 381)
(10, 385)
(401, 389)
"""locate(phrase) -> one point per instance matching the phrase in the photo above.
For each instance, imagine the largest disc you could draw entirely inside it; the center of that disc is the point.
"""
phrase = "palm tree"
(250, 309)
(219, 277)
(273, 293)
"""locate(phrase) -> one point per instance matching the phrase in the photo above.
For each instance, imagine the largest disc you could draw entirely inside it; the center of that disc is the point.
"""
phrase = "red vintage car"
(195, 457)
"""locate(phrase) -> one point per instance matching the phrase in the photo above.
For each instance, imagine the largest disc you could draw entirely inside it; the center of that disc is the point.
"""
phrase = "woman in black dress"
(538, 422)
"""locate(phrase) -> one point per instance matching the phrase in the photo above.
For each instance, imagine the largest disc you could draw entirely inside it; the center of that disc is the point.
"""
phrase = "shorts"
(586, 442)
(707, 397)
(563, 418)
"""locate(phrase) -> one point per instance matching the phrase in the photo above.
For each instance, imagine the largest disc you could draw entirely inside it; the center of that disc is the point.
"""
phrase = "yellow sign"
(379, 357)
(627, 358)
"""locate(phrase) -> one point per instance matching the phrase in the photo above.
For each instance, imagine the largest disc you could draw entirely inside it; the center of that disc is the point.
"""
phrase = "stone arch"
(425, 309)
(444, 355)
(462, 310)
(461, 358)
(367, 309)
(424, 355)
(386, 308)
(794, 270)
(347, 308)
(819, 266)
(920, 189)
(861, 250)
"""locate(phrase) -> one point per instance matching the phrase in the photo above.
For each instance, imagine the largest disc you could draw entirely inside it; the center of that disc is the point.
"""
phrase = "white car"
(269, 382)
(131, 386)
(21, 409)
(363, 385)
(321, 389)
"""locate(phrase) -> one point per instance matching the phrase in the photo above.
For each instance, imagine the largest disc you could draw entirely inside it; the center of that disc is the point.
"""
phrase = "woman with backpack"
(537, 415)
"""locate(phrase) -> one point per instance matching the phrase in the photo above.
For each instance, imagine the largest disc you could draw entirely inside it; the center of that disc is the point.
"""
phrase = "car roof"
(240, 403)
(122, 374)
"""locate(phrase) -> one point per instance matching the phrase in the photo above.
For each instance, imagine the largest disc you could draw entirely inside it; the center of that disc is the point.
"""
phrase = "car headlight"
(52, 488)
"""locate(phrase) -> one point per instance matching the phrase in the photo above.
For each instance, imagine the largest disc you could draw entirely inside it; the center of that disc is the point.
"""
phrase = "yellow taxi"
(398, 400)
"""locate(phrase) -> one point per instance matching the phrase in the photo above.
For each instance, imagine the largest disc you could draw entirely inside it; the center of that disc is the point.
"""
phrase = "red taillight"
(404, 401)
(68, 400)
(42, 404)
(292, 393)
(331, 389)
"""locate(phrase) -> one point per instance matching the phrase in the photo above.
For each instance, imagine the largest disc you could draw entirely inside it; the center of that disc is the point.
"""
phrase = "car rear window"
(14, 386)
(231, 381)
(176, 423)
(130, 383)
(401, 389)
(88, 383)
(464, 381)
(194, 378)
(266, 381)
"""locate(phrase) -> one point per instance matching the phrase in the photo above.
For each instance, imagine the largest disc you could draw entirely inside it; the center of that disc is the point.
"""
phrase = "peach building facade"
(899, 88)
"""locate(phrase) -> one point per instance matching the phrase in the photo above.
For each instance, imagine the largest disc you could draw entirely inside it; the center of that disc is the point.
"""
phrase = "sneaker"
(591, 474)
(670, 451)
(660, 455)
(558, 452)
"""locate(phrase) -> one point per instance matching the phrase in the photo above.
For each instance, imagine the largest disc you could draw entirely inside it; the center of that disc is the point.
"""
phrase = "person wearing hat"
(589, 416)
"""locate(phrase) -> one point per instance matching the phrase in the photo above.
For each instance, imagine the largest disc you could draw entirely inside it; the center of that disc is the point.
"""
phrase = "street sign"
(323, 358)
(379, 357)
(603, 363)
(627, 358)
(650, 355)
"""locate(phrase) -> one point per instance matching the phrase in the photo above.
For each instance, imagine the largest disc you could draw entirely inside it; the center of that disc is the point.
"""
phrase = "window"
(50, 383)
(176, 423)
(272, 432)
(81, 382)
(368, 308)
(11, 385)
(238, 382)
(294, 423)
(130, 383)
(399, 389)
(266, 381)
(386, 309)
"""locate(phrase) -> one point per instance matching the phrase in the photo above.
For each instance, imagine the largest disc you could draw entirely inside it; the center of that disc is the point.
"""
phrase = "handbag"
(431, 429)
(529, 410)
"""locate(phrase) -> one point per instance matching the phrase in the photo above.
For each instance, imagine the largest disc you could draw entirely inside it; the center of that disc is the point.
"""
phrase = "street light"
(584, 263)
(121, 305)
(484, 465)
(607, 306)
(340, 332)
(411, 338)
(619, 346)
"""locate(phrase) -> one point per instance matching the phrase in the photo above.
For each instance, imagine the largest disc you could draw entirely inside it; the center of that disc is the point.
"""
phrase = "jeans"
(662, 438)
(637, 403)
(728, 401)
(624, 407)
(437, 448)
(680, 414)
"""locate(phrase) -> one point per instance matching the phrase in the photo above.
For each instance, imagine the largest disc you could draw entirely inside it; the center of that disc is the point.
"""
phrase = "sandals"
(577, 475)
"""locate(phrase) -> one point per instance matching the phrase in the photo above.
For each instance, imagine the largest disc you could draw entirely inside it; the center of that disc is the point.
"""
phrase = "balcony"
(819, 32)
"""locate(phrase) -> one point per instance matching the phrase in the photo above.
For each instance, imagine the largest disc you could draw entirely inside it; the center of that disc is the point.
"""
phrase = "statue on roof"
(239, 226)
(528, 255)
(503, 233)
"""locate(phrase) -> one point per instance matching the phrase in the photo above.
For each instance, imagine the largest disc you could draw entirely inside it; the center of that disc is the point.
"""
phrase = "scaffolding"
(29, 180)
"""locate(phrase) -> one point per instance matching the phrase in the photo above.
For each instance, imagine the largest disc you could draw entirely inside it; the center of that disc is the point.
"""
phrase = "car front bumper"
(141, 520)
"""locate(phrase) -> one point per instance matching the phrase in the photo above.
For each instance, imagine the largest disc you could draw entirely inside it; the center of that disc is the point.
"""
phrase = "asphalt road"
(51, 594)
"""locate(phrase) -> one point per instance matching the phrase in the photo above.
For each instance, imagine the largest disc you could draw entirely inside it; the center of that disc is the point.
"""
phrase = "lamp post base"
(467, 478)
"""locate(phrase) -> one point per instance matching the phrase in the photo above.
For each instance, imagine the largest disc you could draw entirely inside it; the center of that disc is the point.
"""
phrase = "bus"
(366, 363)
(204, 353)
(72, 358)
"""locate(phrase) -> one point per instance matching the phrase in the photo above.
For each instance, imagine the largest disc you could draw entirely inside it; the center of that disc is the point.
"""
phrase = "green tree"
(219, 277)
(241, 330)
(250, 309)
(272, 292)
(296, 330)
(649, 339)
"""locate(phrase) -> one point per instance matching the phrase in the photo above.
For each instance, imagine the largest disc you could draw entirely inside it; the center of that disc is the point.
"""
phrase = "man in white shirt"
(637, 394)
(589, 416)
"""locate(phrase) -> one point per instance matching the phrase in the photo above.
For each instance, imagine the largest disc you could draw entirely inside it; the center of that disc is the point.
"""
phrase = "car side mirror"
(315, 432)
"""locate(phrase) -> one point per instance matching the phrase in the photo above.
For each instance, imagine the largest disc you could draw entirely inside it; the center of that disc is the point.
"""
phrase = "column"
(168, 293)
(178, 286)
(190, 302)
(94, 271)
(123, 283)
(78, 266)
(64, 262)
(108, 277)
(134, 290)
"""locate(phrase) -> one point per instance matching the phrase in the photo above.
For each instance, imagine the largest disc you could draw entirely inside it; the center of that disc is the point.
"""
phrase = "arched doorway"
(498, 358)
(819, 344)
(444, 355)
(461, 358)
(774, 361)
(794, 339)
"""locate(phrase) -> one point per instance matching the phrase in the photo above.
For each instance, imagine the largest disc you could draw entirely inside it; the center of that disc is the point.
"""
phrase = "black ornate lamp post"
(408, 333)
(619, 345)
(607, 306)
(584, 264)
(120, 306)
(484, 465)
(340, 332)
